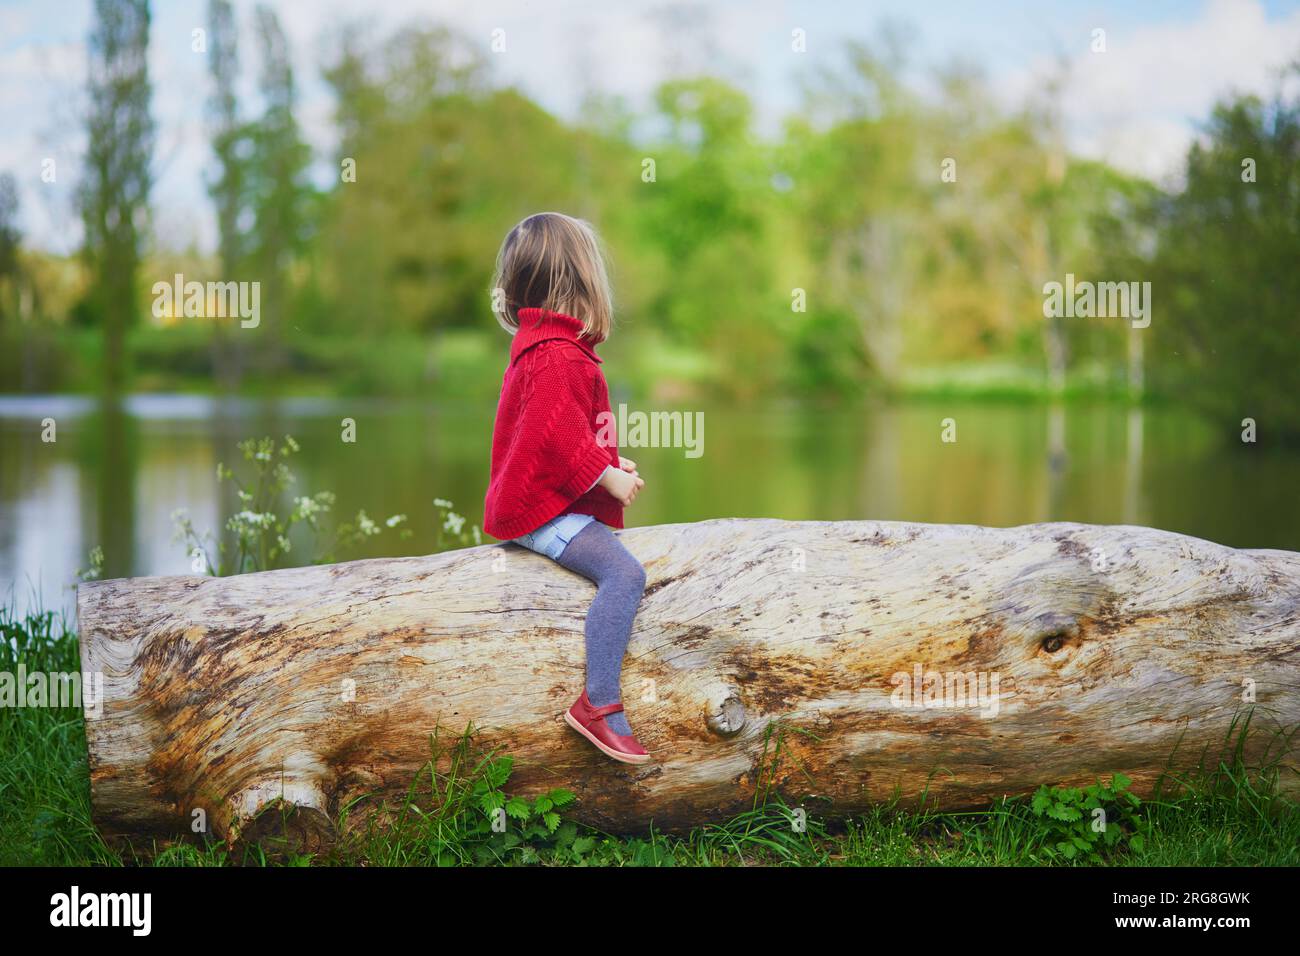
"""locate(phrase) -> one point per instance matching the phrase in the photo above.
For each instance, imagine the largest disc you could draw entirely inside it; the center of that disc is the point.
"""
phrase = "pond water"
(114, 475)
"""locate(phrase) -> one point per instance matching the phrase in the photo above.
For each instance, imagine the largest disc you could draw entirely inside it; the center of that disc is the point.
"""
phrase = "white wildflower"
(307, 507)
(255, 519)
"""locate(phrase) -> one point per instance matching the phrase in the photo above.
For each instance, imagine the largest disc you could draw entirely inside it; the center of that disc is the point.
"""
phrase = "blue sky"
(1137, 105)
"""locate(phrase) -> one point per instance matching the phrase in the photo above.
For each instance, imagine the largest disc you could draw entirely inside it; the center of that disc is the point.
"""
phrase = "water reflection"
(1057, 458)
(119, 469)
(1133, 467)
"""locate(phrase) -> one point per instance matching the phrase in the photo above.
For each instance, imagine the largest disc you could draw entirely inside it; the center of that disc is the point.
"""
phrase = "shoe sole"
(607, 751)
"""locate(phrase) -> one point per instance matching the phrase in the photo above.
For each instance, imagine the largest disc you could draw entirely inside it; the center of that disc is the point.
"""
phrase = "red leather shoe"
(590, 722)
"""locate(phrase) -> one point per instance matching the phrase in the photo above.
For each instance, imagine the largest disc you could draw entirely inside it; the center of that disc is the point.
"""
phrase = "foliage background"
(912, 284)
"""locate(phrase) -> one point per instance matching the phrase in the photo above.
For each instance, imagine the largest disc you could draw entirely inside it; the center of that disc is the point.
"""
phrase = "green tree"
(9, 241)
(861, 201)
(444, 166)
(228, 190)
(708, 213)
(279, 195)
(1226, 284)
(115, 191)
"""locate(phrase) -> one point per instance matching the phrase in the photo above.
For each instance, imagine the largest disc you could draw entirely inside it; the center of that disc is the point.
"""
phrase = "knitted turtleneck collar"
(538, 325)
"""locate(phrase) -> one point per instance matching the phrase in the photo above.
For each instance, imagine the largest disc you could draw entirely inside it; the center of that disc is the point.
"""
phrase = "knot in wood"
(726, 713)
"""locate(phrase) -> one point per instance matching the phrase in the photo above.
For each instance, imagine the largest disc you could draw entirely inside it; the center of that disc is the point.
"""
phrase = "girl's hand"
(627, 464)
(623, 485)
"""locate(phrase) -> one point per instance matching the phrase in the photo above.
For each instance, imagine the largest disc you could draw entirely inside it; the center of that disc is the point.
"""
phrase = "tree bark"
(1098, 649)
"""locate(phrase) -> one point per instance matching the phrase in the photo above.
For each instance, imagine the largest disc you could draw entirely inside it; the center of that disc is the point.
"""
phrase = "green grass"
(1221, 815)
(1006, 379)
(466, 364)
(44, 778)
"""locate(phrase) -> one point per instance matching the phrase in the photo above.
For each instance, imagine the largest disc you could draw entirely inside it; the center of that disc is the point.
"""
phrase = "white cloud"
(1137, 105)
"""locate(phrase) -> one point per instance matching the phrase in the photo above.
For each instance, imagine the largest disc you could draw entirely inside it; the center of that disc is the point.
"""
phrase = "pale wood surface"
(1115, 649)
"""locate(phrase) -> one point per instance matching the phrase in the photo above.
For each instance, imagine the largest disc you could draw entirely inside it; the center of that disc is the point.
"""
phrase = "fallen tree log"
(892, 659)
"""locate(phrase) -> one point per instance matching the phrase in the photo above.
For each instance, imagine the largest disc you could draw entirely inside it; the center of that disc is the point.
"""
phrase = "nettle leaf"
(584, 845)
(1060, 811)
(498, 771)
(552, 821)
(561, 797)
(1120, 782)
(517, 807)
(543, 804)
(1042, 800)
(491, 801)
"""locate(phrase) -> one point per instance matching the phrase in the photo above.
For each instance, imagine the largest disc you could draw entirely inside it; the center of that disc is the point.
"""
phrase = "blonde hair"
(552, 261)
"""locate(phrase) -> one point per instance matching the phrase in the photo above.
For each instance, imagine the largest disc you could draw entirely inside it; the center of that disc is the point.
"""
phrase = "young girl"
(554, 487)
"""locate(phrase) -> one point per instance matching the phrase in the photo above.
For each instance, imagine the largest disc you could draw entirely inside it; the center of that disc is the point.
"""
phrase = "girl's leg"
(597, 555)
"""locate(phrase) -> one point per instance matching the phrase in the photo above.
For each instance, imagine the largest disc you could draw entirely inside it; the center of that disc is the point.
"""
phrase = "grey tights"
(600, 557)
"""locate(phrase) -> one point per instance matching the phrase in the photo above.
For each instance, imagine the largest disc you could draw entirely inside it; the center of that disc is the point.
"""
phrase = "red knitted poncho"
(545, 454)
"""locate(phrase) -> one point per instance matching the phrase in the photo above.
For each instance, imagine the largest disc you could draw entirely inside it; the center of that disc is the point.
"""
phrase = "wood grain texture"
(1100, 649)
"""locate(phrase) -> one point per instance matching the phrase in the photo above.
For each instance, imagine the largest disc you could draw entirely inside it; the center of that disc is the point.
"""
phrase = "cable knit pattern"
(545, 454)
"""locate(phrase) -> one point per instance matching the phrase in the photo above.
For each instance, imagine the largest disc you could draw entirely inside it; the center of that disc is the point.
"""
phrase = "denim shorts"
(553, 537)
